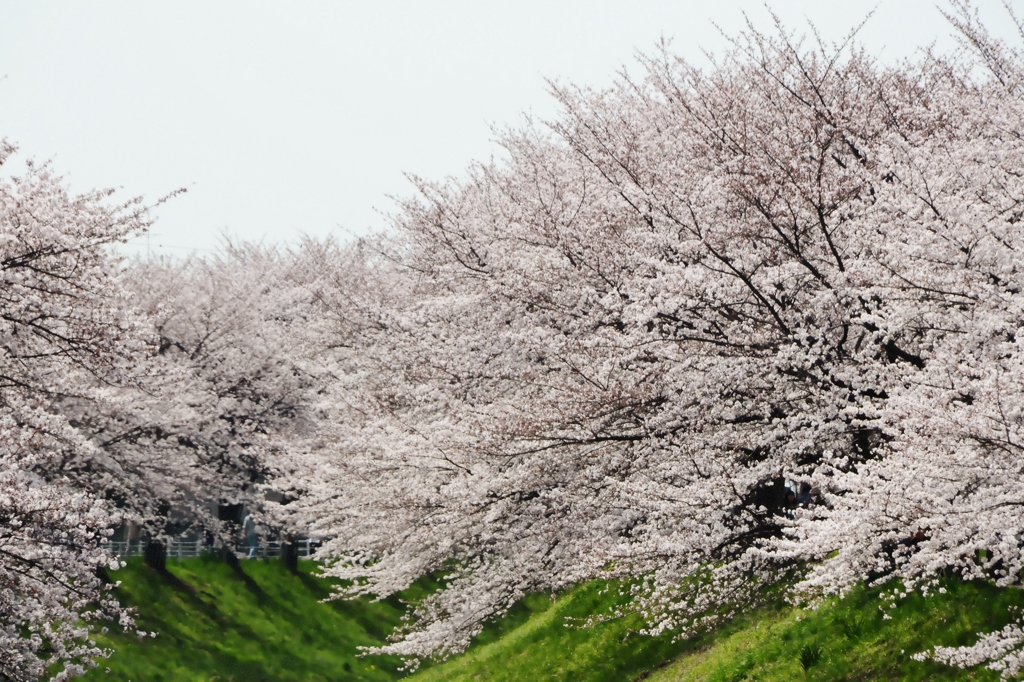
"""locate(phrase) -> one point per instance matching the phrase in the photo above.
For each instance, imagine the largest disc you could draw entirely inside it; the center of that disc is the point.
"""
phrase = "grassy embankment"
(263, 623)
(266, 624)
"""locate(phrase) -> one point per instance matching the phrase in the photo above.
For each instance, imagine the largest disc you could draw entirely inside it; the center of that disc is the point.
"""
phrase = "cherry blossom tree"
(604, 356)
(225, 397)
(137, 394)
(66, 331)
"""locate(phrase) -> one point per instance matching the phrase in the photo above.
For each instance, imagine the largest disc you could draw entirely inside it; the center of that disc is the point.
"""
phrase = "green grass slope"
(842, 640)
(541, 640)
(262, 623)
(849, 639)
(266, 624)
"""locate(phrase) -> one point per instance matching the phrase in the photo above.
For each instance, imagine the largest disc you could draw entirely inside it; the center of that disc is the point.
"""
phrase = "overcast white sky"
(291, 117)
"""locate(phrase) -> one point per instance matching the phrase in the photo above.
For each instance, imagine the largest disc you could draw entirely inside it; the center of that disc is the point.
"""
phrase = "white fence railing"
(180, 548)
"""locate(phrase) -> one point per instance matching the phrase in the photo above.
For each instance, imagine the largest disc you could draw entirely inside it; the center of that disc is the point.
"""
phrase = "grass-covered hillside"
(843, 640)
(260, 623)
(266, 624)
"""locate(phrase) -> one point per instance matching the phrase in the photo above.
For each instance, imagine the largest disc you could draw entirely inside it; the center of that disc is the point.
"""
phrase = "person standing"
(252, 538)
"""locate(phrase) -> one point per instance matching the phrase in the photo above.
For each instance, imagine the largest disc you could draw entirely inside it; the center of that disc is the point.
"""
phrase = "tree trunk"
(290, 556)
(229, 557)
(155, 555)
